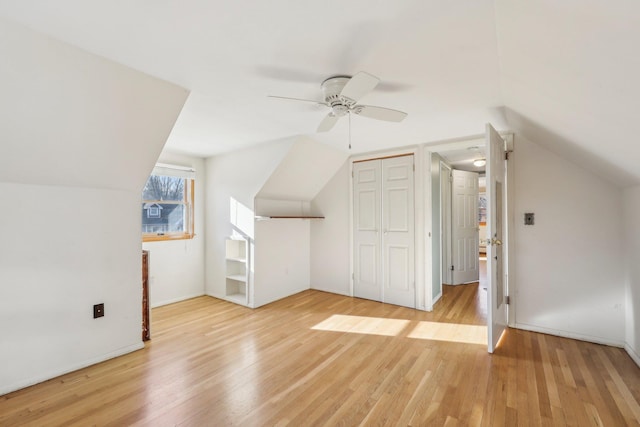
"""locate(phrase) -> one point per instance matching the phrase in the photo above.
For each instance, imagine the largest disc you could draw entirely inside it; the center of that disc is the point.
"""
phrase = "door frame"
(445, 232)
(466, 142)
(420, 217)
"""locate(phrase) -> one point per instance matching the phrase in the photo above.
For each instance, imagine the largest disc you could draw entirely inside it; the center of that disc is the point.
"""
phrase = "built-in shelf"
(237, 271)
(237, 298)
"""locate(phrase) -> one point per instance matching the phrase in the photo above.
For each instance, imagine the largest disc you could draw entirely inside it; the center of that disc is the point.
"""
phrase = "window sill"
(156, 238)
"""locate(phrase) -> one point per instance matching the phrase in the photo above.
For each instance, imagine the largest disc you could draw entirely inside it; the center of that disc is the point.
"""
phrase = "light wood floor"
(322, 359)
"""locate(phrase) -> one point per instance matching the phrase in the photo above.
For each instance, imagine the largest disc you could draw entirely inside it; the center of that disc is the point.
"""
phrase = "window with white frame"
(167, 204)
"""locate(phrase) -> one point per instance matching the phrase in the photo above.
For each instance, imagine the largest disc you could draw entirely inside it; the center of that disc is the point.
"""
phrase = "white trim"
(427, 234)
(634, 356)
(436, 299)
(174, 300)
(448, 256)
(413, 149)
(164, 169)
(572, 335)
(511, 231)
(330, 291)
(70, 368)
(465, 142)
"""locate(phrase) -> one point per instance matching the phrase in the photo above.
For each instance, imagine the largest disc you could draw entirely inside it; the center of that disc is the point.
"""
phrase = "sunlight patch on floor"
(453, 332)
(362, 325)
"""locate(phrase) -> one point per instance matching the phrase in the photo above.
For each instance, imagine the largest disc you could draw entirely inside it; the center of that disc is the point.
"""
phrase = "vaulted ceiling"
(561, 73)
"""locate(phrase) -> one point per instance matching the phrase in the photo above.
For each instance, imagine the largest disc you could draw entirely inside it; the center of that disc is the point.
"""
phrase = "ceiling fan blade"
(328, 122)
(359, 85)
(298, 99)
(380, 113)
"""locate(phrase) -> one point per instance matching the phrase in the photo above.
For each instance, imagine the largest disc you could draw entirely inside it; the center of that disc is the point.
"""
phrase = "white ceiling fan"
(341, 95)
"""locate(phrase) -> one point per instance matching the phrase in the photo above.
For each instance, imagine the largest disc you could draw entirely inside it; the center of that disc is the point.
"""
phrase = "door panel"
(398, 268)
(465, 227)
(367, 216)
(398, 230)
(497, 309)
(398, 220)
(366, 235)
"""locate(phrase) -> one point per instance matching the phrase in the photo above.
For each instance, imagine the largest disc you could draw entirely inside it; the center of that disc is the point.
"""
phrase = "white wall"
(632, 250)
(330, 237)
(176, 267)
(568, 266)
(281, 259)
(79, 137)
(234, 179)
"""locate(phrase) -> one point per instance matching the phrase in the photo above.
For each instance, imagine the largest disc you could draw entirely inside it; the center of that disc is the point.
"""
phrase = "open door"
(496, 306)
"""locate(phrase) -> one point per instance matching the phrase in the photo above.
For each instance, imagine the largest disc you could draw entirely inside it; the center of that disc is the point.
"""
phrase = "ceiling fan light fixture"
(479, 162)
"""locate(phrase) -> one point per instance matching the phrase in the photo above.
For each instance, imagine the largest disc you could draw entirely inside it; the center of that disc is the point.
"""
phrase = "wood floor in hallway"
(322, 359)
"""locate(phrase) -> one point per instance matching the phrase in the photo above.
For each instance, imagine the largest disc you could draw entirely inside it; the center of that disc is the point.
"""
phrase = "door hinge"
(506, 155)
(414, 167)
(507, 300)
(452, 268)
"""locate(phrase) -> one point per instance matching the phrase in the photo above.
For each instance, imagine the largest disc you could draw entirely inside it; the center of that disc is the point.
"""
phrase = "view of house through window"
(167, 204)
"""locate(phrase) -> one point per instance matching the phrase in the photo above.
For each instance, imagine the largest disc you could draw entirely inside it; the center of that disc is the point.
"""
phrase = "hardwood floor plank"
(211, 362)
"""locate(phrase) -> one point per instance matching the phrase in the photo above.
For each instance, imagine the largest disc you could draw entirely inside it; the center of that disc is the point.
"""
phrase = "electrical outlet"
(529, 218)
(98, 310)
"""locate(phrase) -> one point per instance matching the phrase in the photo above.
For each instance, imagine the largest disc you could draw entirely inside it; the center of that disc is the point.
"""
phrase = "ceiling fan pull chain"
(349, 130)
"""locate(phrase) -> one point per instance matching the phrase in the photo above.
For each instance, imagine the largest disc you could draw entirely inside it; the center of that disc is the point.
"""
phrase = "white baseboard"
(70, 368)
(572, 335)
(435, 300)
(174, 300)
(634, 356)
(330, 291)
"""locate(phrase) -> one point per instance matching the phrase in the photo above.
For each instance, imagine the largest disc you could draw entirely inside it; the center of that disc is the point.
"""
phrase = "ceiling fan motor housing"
(331, 89)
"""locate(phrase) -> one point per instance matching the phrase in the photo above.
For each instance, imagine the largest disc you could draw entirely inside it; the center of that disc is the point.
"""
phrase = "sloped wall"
(568, 266)
(79, 137)
(308, 166)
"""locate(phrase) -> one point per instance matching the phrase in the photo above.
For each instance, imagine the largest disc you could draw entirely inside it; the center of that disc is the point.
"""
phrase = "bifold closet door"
(366, 236)
(383, 232)
(398, 231)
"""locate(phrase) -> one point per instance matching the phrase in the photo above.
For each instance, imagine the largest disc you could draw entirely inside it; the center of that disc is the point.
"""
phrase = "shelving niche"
(237, 271)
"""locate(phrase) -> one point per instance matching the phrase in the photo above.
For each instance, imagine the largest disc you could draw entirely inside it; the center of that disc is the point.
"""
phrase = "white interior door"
(398, 231)
(496, 203)
(367, 271)
(464, 227)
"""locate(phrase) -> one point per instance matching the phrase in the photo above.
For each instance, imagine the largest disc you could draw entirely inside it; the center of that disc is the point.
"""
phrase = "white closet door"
(398, 231)
(383, 235)
(465, 227)
(367, 271)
